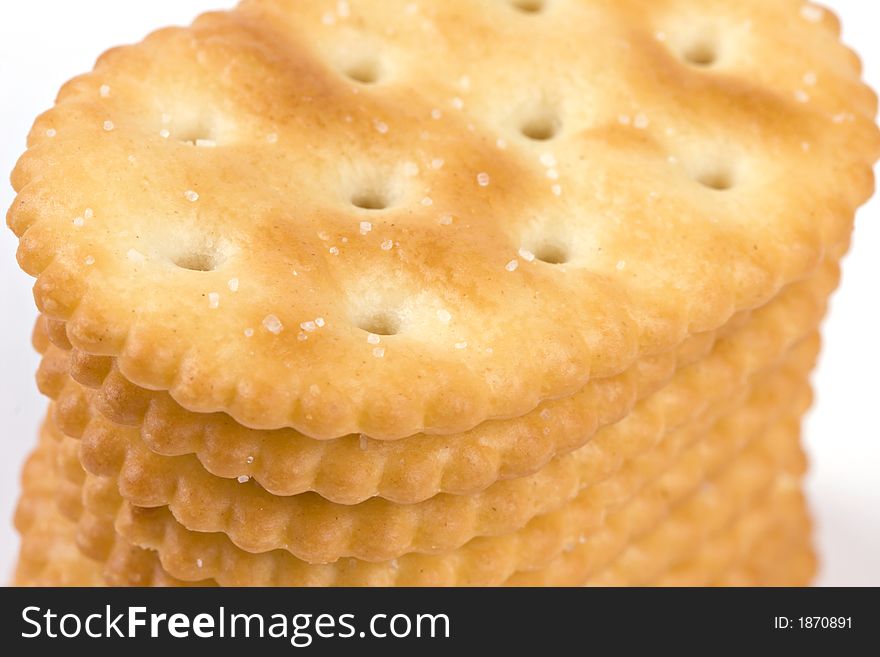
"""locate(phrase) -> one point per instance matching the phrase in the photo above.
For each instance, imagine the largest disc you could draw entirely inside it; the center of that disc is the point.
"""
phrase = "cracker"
(783, 558)
(318, 531)
(474, 569)
(352, 469)
(764, 534)
(762, 538)
(403, 194)
(795, 567)
(483, 560)
(668, 554)
(737, 489)
(49, 554)
(355, 468)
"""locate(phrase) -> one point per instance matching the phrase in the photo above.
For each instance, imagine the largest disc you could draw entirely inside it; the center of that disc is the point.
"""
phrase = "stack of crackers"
(438, 293)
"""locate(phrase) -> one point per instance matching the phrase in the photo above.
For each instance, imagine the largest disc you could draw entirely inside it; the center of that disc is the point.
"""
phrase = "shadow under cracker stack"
(438, 293)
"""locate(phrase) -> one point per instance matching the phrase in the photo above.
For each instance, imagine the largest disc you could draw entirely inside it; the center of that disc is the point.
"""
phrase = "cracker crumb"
(249, 460)
(135, 256)
(427, 201)
(243, 479)
(436, 114)
(387, 245)
(232, 284)
(444, 315)
(104, 90)
(191, 196)
(272, 324)
(108, 125)
(810, 78)
(89, 260)
(333, 250)
(78, 221)
(302, 337)
(319, 322)
(51, 132)
(248, 332)
(812, 13)
(545, 414)
(213, 300)
(381, 126)
(621, 265)
(366, 227)
(446, 219)
(552, 174)
(372, 338)
(88, 213)
(199, 563)
(458, 103)
(206, 143)
(501, 143)
(513, 265)
(483, 179)
(461, 345)
(379, 352)
(309, 326)
(164, 133)
(437, 163)
(801, 96)
(557, 190)
(526, 255)
(323, 235)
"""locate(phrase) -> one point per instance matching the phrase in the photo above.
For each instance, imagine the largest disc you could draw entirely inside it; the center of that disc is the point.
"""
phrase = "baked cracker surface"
(395, 221)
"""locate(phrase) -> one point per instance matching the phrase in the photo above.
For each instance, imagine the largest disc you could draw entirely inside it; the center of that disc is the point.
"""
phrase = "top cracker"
(389, 217)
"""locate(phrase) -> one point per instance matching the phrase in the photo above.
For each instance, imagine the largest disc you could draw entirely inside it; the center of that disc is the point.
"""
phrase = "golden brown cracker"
(736, 489)
(771, 526)
(481, 561)
(419, 250)
(49, 553)
(318, 531)
(355, 468)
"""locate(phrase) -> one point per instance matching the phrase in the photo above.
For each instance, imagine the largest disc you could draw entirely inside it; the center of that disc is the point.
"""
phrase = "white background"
(43, 43)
